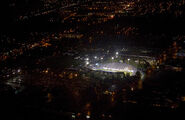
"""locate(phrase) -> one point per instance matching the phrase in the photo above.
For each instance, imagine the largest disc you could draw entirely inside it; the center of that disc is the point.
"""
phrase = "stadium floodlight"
(112, 58)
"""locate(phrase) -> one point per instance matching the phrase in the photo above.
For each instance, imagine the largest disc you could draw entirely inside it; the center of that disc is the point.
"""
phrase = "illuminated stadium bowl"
(116, 67)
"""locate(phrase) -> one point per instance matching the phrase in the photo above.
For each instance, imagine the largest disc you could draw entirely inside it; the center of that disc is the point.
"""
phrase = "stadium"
(115, 67)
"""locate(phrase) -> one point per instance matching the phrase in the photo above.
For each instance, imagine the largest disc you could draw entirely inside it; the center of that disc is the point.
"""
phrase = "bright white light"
(73, 116)
(87, 58)
(87, 116)
(18, 70)
(115, 67)
(117, 53)
(97, 64)
(95, 57)
(126, 69)
(87, 63)
(101, 58)
(112, 58)
(128, 59)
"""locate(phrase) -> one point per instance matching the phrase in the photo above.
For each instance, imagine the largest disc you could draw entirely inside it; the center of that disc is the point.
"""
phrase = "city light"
(112, 16)
(73, 116)
(87, 63)
(132, 89)
(111, 58)
(87, 116)
(46, 71)
(18, 70)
